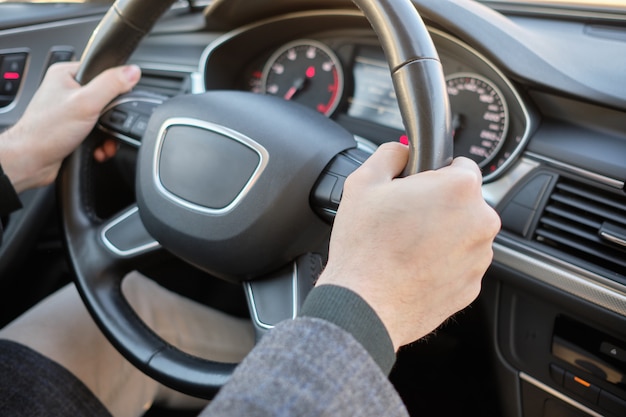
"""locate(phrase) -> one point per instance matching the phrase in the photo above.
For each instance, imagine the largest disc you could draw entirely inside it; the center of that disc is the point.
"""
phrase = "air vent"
(164, 84)
(586, 222)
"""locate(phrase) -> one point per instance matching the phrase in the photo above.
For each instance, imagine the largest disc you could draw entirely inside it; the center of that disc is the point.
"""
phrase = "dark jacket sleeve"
(31, 385)
(308, 367)
(352, 313)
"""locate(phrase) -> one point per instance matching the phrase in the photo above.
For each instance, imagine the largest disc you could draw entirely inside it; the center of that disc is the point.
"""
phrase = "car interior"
(533, 91)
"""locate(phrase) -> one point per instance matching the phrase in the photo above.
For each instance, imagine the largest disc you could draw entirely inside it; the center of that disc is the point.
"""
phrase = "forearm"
(17, 163)
(9, 200)
(308, 367)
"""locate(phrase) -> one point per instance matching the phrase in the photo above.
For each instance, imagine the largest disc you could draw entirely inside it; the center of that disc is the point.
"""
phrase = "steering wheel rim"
(420, 87)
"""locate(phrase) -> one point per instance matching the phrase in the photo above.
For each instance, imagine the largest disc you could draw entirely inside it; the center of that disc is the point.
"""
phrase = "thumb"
(386, 163)
(111, 83)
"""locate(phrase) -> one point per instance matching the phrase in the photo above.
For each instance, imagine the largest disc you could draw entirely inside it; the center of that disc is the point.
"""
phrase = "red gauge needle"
(291, 92)
(298, 85)
(457, 123)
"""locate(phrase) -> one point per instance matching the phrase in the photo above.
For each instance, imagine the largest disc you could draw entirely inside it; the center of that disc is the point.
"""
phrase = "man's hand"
(414, 248)
(60, 115)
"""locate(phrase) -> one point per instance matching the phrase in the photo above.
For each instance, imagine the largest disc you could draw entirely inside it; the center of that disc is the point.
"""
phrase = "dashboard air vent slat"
(168, 85)
(559, 212)
(572, 220)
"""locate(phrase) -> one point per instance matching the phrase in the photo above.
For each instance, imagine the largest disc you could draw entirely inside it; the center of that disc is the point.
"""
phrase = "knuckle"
(495, 222)
(467, 180)
(355, 181)
(363, 175)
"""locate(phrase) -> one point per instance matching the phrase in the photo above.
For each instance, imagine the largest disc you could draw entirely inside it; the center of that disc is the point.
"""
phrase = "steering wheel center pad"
(224, 180)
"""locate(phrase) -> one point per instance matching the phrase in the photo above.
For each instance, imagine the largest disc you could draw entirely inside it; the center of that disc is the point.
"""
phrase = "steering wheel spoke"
(125, 235)
(279, 296)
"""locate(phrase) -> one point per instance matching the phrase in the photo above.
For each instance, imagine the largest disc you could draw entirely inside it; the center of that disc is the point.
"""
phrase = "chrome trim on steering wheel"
(221, 130)
(294, 300)
(125, 252)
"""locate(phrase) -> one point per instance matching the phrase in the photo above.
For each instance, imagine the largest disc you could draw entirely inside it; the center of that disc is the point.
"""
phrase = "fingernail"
(132, 72)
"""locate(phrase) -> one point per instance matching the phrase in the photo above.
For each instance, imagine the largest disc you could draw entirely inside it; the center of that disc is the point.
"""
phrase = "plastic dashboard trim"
(571, 279)
(538, 384)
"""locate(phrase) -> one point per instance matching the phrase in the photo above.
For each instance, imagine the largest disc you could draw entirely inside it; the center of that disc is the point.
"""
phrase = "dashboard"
(538, 100)
(342, 73)
(548, 140)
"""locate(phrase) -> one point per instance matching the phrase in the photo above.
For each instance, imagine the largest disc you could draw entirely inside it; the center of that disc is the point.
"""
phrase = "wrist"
(355, 280)
(17, 161)
(9, 158)
(9, 200)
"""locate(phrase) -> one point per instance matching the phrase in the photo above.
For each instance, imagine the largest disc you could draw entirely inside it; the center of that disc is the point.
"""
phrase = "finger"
(111, 83)
(386, 163)
(462, 162)
(490, 222)
(110, 148)
(70, 66)
(62, 74)
(105, 151)
(99, 155)
(466, 164)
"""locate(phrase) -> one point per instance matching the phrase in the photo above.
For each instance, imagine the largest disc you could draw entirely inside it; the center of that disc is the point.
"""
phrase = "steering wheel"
(221, 184)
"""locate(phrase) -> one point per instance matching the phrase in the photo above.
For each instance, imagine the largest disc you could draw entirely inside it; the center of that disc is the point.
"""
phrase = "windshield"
(587, 3)
(620, 4)
(59, 1)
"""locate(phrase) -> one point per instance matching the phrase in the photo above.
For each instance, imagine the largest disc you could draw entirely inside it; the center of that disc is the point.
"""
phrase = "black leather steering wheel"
(217, 176)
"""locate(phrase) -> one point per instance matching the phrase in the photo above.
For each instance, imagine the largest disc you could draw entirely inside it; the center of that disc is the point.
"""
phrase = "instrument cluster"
(347, 79)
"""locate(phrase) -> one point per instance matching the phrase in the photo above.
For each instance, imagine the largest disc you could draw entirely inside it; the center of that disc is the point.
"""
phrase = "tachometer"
(480, 117)
(307, 72)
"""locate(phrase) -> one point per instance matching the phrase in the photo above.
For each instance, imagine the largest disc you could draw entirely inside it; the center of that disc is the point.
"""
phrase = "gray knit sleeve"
(349, 311)
(307, 367)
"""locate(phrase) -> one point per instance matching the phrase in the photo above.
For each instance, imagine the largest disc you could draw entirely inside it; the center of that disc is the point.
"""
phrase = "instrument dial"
(307, 72)
(480, 117)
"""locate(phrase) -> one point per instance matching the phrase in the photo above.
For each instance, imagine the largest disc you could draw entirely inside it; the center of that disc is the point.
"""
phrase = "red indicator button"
(404, 139)
(310, 72)
(11, 76)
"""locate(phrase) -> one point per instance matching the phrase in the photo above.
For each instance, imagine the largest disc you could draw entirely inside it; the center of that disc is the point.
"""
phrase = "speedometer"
(307, 72)
(480, 117)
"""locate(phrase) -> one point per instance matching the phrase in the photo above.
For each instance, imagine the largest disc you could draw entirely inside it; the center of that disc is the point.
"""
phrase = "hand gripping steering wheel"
(221, 185)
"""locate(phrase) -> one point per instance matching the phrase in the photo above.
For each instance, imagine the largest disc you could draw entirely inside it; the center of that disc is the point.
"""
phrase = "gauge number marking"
(480, 117)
